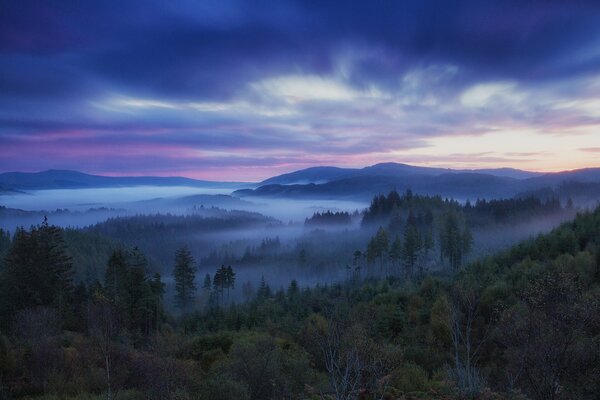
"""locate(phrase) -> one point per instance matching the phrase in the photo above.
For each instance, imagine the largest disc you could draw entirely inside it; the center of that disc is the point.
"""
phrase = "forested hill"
(160, 235)
(460, 184)
(523, 324)
(64, 179)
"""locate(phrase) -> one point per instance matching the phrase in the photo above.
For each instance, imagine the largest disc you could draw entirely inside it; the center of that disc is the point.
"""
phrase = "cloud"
(299, 88)
(484, 94)
(310, 82)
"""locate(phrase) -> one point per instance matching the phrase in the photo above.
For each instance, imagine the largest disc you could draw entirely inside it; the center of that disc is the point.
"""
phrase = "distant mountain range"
(328, 174)
(338, 183)
(332, 182)
(65, 179)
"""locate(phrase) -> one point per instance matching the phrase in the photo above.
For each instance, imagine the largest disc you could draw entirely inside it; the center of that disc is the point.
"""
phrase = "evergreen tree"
(455, 243)
(207, 285)
(396, 251)
(229, 279)
(37, 272)
(410, 250)
(158, 290)
(185, 274)
(4, 245)
(116, 281)
(135, 298)
(264, 291)
(293, 289)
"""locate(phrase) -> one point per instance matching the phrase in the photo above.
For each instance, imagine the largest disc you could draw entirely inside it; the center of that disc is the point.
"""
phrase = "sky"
(244, 90)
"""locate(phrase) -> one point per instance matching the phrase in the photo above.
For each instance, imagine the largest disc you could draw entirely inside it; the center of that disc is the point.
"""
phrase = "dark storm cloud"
(294, 77)
(177, 51)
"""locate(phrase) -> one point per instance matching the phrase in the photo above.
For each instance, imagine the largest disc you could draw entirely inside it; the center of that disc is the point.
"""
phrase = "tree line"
(522, 324)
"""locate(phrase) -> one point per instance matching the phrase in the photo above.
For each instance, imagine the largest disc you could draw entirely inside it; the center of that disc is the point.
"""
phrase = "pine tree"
(116, 280)
(158, 290)
(134, 296)
(207, 285)
(455, 243)
(184, 273)
(396, 251)
(264, 291)
(37, 272)
(229, 279)
(4, 245)
(220, 281)
(410, 250)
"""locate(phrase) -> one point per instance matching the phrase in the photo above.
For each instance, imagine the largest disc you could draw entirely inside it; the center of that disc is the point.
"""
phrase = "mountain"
(311, 175)
(65, 179)
(508, 173)
(321, 175)
(380, 178)
(334, 182)
(457, 185)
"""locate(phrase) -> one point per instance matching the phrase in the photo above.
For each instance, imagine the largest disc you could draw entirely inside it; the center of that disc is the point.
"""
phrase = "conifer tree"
(410, 250)
(455, 243)
(396, 251)
(185, 274)
(37, 271)
(158, 290)
(264, 291)
(116, 280)
(229, 279)
(207, 285)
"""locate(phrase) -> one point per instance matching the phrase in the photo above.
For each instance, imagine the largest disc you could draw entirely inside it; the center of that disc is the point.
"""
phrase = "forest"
(412, 314)
(299, 200)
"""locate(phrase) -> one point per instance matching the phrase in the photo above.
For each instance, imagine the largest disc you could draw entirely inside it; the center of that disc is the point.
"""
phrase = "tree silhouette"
(185, 274)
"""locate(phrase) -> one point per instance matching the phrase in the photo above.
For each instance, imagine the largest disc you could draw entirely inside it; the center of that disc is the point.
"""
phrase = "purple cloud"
(224, 89)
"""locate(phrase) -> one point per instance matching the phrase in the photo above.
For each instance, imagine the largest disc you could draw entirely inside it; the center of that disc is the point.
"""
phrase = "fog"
(259, 237)
(83, 199)
(94, 205)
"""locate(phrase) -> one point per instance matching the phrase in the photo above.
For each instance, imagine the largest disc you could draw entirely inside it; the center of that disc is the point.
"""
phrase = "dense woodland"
(524, 323)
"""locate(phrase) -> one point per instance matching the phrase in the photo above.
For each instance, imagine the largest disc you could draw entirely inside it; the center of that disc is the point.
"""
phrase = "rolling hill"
(65, 179)
(331, 182)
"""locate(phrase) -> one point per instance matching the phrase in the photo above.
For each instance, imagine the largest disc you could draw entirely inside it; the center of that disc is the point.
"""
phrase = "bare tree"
(551, 339)
(343, 363)
(354, 362)
(466, 342)
(103, 326)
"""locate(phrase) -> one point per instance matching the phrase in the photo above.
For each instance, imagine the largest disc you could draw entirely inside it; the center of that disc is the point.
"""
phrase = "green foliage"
(455, 240)
(4, 245)
(329, 218)
(530, 315)
(410, 378)
(129, 288)
(184, 273)
(37, 272)
(410, 249)
(224, 279)
(220, 387)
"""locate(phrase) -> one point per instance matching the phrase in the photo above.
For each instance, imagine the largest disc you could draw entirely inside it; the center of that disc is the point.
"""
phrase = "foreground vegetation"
(522, 324)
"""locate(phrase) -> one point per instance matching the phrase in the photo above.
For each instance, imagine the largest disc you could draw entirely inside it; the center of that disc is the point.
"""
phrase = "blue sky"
(243, 90)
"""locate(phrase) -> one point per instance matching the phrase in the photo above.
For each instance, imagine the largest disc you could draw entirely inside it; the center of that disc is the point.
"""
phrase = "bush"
(410, 378)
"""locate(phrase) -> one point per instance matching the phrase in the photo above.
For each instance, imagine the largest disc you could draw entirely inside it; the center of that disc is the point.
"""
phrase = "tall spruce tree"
(229, 279)
(396, 251)
(185, 274)
(37, 272)
(455, 241)
(410, 250)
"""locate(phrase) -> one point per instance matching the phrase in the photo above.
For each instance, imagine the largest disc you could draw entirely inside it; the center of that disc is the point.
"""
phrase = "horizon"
(230, 91)
(133, 175)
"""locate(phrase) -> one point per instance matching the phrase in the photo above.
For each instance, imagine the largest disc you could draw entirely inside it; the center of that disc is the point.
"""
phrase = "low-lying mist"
(261, 238)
